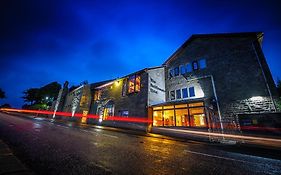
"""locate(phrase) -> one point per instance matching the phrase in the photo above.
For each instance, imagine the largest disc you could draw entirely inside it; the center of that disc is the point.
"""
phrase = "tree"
(6, 105)
(41, 98)
(32, 96)
(2, 94)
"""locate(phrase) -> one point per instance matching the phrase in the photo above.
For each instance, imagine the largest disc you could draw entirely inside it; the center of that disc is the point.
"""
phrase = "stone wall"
(234, 65)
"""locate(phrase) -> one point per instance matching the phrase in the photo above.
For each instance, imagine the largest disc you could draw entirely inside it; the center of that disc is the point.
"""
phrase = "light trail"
(144, 120)
(80, 115)
(222, 135)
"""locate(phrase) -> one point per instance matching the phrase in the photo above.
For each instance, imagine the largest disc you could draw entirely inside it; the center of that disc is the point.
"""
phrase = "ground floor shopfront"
(183, 115)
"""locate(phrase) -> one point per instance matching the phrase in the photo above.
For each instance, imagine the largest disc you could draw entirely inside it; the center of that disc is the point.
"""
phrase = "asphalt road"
(53, 148)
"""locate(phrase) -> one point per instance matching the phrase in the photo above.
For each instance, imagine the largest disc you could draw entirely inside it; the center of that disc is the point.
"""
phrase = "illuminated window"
(191, 92)
(138, 83)
(169, 118)
(108, 110)
(157, 118)
(97, 95)
(195, 65)
(134, 83)
(182, 118)
(178, 94)
(197, 117)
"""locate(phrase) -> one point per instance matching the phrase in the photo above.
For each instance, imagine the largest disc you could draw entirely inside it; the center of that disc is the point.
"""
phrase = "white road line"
(214, 156)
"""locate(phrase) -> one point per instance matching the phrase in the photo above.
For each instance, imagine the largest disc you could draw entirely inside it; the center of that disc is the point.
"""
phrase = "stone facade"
(116, 92)
(227, 73)
(238, 68)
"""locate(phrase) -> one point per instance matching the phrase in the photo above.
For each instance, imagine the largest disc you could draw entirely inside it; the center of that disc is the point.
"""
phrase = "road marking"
(214, 156)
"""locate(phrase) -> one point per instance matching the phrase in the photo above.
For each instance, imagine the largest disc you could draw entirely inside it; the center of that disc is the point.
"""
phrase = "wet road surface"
(53, 148)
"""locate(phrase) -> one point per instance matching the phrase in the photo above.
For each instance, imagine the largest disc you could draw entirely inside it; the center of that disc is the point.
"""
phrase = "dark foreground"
(53, 148)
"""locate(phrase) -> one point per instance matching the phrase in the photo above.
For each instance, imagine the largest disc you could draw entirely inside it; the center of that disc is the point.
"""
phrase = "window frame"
(134, 82)
(187, 94)
(189, 91)
(176, 94)
(171, 95)
(204, 61)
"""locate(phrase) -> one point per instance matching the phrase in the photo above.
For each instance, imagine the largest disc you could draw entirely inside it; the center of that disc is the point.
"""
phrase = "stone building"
(206, 83)
(216, 77)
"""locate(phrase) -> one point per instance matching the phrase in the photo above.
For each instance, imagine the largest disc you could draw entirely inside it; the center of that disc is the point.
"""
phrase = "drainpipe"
(215, 94)
(267, 86)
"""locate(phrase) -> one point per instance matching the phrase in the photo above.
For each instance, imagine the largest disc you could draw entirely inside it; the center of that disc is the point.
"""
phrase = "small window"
(184, 93)
(124, 113)
(97, 95)
(138, 83)
(176, 71)
(202, 63)
(188, 68)
(191, 92)
(172, 95)
(178, 94)
(131, 87)
(182, 69)
(134, 84)
(171, 73)
(195, 65)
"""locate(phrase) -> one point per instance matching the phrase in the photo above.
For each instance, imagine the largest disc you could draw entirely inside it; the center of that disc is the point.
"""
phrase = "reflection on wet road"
(51, 148)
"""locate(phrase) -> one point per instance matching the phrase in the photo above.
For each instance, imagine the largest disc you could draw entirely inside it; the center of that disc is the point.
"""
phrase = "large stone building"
(206, 83)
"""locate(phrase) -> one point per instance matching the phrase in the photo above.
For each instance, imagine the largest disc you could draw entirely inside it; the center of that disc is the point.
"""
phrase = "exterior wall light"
(256, 98)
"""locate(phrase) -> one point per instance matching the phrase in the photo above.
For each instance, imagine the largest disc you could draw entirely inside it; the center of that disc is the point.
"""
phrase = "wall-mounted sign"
(156, 86)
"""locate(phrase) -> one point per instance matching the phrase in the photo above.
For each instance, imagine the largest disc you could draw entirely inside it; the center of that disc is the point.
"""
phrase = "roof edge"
(258, 35)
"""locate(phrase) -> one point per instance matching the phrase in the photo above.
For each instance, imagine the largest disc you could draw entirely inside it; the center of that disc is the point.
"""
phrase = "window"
(171, 73)
(197, 117)
(191, 92)
(157, 118)
(169, 118)
(195, 65)
(184, 93)
(97, 95)
(138, 83)
(182, 115)
(202, 63)
(124, 113)
(188, 67)
(178, 94)
(172, 95)
(176, 71)
(182, 69)
(134, 84)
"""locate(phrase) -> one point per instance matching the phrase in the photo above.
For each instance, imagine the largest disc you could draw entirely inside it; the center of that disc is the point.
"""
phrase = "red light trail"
(80, 115)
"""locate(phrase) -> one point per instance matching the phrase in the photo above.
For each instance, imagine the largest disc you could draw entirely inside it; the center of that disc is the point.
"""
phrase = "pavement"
(9, 163)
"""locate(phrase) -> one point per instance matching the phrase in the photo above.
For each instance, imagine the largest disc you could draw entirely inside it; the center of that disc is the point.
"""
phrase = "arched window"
(108, 109)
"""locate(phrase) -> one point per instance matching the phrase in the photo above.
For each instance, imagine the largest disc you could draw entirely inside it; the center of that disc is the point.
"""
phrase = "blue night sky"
(95, 40)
